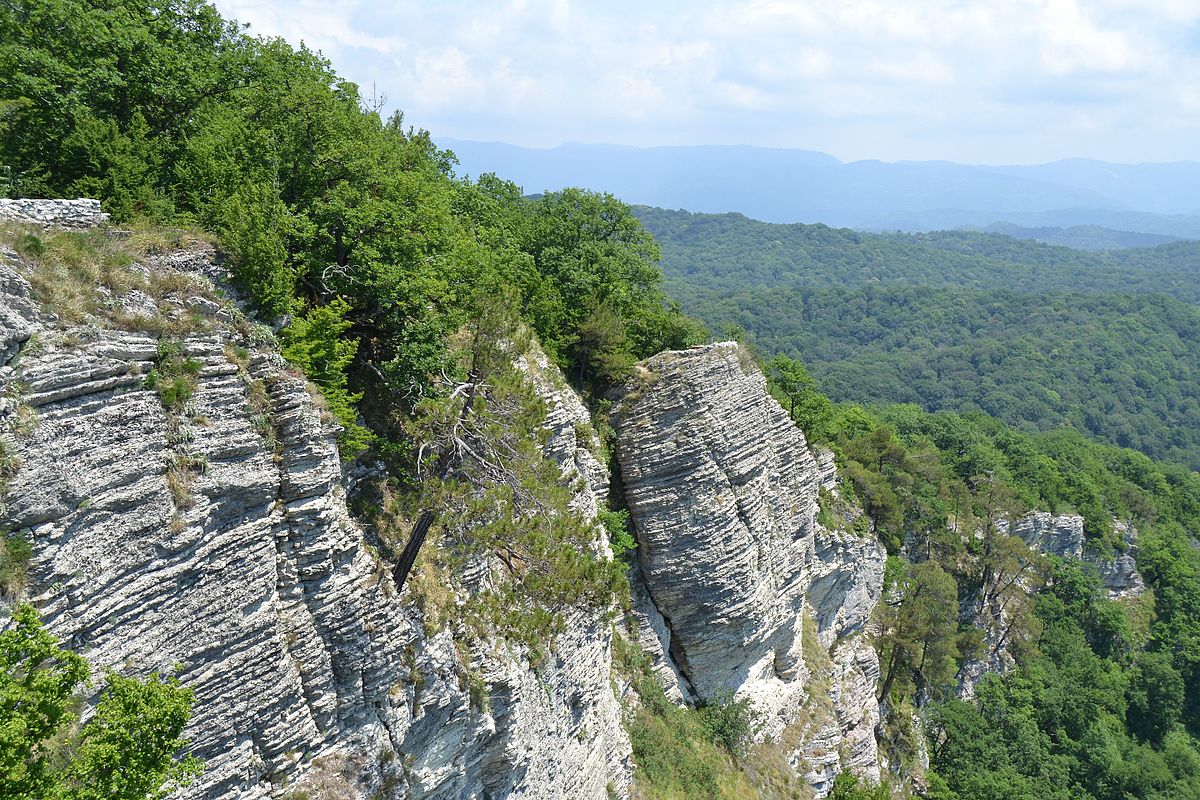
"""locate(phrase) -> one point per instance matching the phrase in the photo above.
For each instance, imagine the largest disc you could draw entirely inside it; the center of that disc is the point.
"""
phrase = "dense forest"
(1103, 702)
(1118, 366)
(1038, 336)
(730, 251)
(393, 280)
(1079, 237)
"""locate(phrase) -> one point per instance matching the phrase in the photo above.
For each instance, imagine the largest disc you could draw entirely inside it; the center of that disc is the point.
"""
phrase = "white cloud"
(977, 80)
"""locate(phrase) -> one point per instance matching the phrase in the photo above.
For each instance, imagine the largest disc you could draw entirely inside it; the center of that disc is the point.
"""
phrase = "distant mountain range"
(1079, 237)
(791, 185)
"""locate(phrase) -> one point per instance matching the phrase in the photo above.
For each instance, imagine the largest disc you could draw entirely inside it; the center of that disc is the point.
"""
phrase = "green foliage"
(126, 751)
(504, 503)
(620, 535)
(596, 302)
(1155, 697)
(731, 252)
(15, 556)
(806, 405)
(918, 627)
(1040, 337)
(169, 112)
(847, 787)
(1089, 713)
(175, 376)
(1078, 720)
(1114, 366)
(1170, 561)
(315, 343)
(37, 685)
(729, 722)
(680, 753)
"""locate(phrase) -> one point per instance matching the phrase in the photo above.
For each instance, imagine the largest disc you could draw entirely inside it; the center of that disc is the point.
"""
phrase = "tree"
(37, 685)
(126, 751)
(918, 622)
(807, 406)
(1155, 697)
(314, 342)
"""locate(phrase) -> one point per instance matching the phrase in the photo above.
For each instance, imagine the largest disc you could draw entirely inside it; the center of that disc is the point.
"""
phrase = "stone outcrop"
(723, 491)
(214, 539)
(74, 214)
(1058, 535)
(1062, 535)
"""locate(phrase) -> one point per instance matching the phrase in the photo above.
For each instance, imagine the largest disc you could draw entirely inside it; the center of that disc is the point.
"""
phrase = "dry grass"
(327, 778)
(238, 356)
(182, 470)
(79, 275)
(15, 557)
(24, 420)
(262, 417)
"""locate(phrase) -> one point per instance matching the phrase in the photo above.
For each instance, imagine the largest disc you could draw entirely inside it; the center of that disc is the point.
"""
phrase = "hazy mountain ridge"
(1079, 237)
(793, 185)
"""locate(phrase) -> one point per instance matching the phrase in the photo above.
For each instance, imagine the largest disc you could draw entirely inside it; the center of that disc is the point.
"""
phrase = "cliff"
(1062, 535)
(744, 592)
(211, 536)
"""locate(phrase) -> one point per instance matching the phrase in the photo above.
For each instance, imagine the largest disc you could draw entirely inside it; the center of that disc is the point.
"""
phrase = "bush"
(126, 751)
(729, 722)
(175, 377)
(620, 537)
(314, 342)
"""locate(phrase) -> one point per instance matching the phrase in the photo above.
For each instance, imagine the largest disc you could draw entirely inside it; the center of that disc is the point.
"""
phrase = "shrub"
(729, 722)
(314, 343)
(126, 751)
(175, 377)
(620, 536)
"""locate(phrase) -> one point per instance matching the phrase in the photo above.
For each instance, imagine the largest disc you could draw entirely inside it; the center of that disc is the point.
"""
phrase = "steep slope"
(745, 592)
(212, 536)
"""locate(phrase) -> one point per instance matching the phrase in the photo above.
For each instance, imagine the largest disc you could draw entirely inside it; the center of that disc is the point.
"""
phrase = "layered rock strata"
(214, 539)
(1062, 535)
(723, 490)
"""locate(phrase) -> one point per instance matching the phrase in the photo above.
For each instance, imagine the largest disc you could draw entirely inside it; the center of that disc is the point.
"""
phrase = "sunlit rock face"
(1062, 535)
(214, 540)
(723, 488)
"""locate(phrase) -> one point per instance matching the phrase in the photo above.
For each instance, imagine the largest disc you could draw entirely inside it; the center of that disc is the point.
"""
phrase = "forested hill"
(1036, 335)
(731, 251)
(1080, 237)
(405, 293)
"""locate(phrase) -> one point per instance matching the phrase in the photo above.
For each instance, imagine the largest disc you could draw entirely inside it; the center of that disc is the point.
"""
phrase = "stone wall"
(74, 214)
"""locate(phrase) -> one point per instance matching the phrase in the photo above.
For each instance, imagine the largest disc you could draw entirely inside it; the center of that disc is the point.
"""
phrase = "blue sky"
(978, 81)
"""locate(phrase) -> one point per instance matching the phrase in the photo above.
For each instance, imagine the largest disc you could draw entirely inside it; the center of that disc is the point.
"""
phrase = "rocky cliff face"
(214, 537)
(1056, 535)
(743, 591)
(1062, 535)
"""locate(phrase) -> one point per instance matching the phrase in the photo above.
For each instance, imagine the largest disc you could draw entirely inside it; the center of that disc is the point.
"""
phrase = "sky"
(974, 81)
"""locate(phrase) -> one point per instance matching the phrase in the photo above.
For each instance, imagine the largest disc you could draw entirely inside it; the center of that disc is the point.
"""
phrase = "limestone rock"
(215, 538)
(78, 214)
(722, 488)
(1062, 535)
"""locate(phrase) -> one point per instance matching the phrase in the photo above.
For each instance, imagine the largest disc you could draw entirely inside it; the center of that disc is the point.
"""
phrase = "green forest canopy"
(1038, 336)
